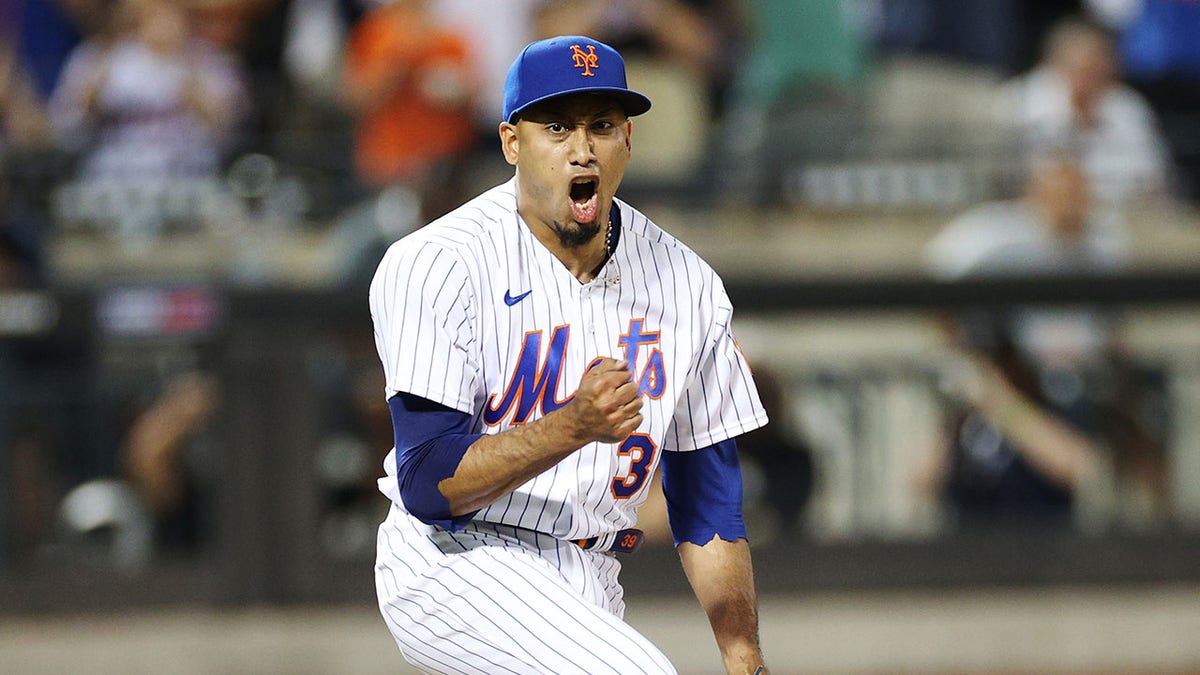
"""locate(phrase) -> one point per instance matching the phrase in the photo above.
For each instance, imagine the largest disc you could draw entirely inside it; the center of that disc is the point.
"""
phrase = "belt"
(626, 541)
(623, 541)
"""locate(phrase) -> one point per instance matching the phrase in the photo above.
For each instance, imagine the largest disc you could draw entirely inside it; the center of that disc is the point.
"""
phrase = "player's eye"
(556, 127)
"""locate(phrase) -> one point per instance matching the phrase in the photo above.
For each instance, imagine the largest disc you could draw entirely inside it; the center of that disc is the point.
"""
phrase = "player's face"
(570, 154)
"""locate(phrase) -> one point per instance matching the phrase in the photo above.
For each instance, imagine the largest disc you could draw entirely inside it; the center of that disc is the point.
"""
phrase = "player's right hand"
(606, 406)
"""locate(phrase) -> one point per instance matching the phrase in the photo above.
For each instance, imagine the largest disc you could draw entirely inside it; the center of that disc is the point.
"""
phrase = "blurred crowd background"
(962, 237)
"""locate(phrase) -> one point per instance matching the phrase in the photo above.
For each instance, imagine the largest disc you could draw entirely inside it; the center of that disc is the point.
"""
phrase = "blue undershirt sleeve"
(704, 493)
(431, 440)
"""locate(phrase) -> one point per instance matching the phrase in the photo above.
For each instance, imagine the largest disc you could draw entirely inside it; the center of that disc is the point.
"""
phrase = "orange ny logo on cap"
(586, 60)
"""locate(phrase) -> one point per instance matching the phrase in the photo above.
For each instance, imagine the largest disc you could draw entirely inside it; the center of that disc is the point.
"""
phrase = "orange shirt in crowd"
(421, 79)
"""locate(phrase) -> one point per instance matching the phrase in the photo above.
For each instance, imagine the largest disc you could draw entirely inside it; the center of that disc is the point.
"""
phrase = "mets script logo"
(586, 60)
(535, 379)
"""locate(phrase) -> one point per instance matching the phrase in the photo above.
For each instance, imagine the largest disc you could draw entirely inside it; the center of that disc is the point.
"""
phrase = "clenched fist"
(606, 406)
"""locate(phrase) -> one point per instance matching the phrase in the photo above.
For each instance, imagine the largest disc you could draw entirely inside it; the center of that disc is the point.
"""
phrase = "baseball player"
(546, 349)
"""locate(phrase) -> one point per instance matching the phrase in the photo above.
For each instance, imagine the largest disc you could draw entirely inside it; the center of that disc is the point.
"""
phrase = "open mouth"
(584, 199)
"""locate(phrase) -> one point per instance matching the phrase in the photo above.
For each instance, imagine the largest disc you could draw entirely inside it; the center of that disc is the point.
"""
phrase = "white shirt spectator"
(1122, 151)
(140, 125)
(1009, 238)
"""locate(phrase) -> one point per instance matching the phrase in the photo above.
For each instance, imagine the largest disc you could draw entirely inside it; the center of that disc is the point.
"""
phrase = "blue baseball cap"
(568, 64)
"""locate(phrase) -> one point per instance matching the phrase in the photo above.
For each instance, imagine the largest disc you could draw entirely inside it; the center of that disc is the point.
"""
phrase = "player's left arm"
(702, 483)
(722, 578)
(703, 489)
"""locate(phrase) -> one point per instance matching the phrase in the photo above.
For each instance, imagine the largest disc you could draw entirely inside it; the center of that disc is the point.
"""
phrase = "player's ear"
(509, 142)
(628, 134)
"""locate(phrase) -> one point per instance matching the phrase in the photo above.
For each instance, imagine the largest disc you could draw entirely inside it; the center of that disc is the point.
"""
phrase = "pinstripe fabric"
(494, 599)
(444, 331)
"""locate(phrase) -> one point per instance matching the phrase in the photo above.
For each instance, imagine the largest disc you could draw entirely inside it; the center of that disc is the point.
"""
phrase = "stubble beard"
(576, 235)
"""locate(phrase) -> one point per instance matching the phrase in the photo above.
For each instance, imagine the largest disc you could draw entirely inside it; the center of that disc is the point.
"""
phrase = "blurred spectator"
(163, 458)
(123, 507)
(152, 104)
(1074, 99)
(1054, 227)
(410, 84)
(1007, 459)
(1046, 402)
(1032, 444)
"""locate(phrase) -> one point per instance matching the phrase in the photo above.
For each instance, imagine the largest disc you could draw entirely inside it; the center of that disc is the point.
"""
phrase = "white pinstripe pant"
(494, 599)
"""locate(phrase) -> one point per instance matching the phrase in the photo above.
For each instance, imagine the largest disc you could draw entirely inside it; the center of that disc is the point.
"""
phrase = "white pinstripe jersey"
(473, 312)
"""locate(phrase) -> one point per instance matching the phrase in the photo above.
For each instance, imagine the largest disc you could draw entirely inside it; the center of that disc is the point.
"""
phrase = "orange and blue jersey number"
(641, 451)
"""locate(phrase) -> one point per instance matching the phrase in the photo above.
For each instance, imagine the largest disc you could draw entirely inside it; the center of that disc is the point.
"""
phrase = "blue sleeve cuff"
(704, 493)
(431, 440)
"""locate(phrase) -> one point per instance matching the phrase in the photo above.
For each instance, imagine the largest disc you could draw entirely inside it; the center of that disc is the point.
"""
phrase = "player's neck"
(587, 260)
(583, 262)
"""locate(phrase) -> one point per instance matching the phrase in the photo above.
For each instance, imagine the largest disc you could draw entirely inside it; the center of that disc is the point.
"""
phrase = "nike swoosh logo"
(510, 300)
